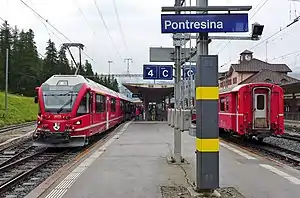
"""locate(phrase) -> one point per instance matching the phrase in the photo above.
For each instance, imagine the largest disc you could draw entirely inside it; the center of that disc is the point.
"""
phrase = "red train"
(254, 110)
(73, 108)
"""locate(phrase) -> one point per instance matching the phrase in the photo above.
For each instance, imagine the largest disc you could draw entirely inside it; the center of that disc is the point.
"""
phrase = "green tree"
(50, 66)
(63, 63)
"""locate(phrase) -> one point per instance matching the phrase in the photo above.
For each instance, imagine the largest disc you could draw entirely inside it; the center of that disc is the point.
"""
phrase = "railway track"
(15, 151)
(17, 126)
(286, 155)
(24, 167)
(30, 166)
(276, 152)
(290, 137)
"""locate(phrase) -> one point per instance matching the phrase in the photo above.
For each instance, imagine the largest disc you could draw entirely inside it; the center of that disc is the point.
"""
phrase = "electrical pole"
(6, 83)
(177, 158)
(128, 60)
(109, 62)
(207, 129)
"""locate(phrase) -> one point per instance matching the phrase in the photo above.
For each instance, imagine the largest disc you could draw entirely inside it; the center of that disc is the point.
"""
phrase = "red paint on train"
(252, 110)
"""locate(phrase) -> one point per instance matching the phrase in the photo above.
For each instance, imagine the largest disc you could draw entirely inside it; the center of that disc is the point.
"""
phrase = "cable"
(105, 26)
(286, 55)
(53, 26)
(289, 25)
(257, 8)
(120, 26)
(83, 16)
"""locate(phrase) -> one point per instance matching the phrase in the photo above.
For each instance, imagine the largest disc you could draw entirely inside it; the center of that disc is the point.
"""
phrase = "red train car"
(73, 108)
(254, 110)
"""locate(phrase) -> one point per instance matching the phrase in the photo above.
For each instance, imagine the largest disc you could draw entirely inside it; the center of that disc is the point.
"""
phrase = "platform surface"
(134, 165)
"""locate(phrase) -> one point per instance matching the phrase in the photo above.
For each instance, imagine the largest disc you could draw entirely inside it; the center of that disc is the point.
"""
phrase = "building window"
(235, 80)
(229, 82)
(284, 81)
(268, 80)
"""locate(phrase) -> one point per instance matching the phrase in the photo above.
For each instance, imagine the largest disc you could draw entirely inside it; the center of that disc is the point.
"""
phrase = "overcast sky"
(140, 21)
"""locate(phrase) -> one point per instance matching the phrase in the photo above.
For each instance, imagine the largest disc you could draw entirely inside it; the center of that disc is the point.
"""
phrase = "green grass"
(20, 109)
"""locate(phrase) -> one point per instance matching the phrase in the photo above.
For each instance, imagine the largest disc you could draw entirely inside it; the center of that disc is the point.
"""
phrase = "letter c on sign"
(190, 72)
(165, 75)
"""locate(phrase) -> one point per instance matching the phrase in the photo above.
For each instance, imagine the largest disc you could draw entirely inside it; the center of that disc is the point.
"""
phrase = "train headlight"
(78, 122)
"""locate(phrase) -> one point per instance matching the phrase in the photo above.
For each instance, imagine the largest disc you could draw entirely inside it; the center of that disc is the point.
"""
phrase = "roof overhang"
(153, 92)
(291, 88)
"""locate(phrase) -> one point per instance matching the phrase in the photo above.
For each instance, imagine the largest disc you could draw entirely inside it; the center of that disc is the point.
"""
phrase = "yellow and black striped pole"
(207, 129)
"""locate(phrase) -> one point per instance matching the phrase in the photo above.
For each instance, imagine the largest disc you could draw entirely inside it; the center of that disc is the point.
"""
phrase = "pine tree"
(51, 61)
(63, 63)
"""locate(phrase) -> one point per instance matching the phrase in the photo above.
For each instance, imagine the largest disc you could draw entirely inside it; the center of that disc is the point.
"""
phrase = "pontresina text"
(183, 25)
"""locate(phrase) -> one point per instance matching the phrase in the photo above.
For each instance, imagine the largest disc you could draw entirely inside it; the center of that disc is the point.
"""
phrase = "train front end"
(58, 122)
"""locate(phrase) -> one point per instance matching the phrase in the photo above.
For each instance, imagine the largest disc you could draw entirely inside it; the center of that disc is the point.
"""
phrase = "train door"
(261, 110)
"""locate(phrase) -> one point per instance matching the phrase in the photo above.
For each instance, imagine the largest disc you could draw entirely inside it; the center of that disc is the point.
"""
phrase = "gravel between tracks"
(283, 143)
(15, 133)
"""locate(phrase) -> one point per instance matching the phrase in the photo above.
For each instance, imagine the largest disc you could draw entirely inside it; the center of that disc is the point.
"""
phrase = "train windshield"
(59, 101)
(60, 98)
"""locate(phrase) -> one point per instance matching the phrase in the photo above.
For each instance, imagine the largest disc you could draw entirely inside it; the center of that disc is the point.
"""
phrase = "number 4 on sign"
(150, 73)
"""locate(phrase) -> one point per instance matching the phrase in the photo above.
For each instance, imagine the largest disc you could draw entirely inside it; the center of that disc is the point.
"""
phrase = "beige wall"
(240, 77)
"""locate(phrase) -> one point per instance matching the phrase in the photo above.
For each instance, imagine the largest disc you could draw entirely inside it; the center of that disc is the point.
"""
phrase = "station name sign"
(195, 23)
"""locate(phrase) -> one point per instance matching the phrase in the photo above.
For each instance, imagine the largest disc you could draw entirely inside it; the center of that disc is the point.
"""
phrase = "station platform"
(134, 164)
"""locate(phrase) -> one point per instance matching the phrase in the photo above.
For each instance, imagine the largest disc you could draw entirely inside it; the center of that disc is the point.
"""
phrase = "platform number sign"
(189, 71)
(158, 72)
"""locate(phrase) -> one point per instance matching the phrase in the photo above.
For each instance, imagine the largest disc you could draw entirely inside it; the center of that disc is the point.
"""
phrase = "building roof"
(246, 52)
(255, 65)
(267, 74)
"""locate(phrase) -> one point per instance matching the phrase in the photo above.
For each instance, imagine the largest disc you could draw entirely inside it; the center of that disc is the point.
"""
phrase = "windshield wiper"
(62, 107)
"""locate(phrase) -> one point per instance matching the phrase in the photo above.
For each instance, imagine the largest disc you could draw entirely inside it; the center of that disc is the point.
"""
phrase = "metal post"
(177, 134)
(80, 66)
(6, 83)
(109, 62)
(207, 130)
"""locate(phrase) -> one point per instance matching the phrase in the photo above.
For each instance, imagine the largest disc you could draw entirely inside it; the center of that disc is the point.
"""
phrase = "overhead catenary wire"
(120, 26)
(106, 28)
(258, 7)
(47, 21)
(287, 26)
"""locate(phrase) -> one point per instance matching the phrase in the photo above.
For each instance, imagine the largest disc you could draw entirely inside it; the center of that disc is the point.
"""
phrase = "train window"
(103, 103)
(113, 104)
(98, 103)
(222, 104)
(227, 103)
(84, 105)
(260, 102)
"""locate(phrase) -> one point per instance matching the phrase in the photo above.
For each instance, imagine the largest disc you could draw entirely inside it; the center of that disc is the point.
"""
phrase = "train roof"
(238, 87)
(77, 79)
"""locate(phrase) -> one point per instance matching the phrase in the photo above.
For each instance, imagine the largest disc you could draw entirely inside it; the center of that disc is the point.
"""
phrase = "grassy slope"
(20, 109)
